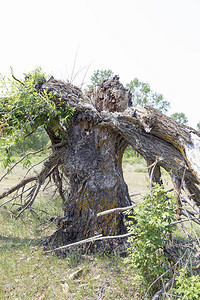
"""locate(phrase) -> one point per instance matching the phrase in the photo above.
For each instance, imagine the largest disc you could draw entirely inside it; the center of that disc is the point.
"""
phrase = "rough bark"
(92, 162)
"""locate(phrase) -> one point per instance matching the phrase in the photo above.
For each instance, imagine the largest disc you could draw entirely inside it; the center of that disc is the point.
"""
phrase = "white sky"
(157, 41)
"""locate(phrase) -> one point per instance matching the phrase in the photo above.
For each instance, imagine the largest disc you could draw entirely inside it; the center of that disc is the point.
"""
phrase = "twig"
(27, 154)
(165, 288)
(33, 166)
(54, 219)
(186, 232)
(151, 173)
(14, 197)
(30, 202)
(74, 64)
(185, 220)
(133, 195)
(76, 243)
(191, 203)
(78, 72)
(173, 280)
(17, 80)
(58, 181)
(120, 209)
(188, 215)
(85, 75)
(92, 239)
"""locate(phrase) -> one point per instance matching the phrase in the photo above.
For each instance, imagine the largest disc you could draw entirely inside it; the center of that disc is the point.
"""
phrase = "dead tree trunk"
(89, 153)
(92, 162)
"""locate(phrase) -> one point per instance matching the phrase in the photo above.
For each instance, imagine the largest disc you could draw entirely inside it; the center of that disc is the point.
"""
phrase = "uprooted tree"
(89, 133)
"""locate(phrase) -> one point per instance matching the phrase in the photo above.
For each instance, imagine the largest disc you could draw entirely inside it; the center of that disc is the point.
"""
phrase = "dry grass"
(27, 273)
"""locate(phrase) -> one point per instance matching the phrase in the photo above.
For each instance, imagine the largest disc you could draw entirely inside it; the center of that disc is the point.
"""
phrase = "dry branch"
(184, 220)
(92, 239)
(33, 153)
(30, 202)
(21, 159)
(118, 209)
(18, 186)
(48, 168)
(17, 196)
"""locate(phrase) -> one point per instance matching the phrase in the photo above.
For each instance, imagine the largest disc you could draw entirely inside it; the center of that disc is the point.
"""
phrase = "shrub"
(152, 230)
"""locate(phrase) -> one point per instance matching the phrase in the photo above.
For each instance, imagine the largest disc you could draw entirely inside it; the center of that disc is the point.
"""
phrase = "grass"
(27, 273)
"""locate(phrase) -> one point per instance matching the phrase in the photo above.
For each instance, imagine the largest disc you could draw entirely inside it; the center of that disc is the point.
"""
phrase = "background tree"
(180, 118)
(99, 76)
(143, 94)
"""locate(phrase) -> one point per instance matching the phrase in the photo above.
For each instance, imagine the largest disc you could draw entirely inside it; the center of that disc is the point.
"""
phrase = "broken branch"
(118, 209)
(92, 239)
(18, 186)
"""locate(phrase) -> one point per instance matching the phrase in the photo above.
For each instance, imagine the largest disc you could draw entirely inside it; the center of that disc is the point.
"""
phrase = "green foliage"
(151, 228)
(180, 118)
(25, 108)
(99, 76)
(188, 285)
(143, 95)
(198, 126)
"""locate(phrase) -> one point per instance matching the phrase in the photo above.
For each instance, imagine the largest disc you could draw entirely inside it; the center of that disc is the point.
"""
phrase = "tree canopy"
(143, 94)
(180, 118)
(99, 76)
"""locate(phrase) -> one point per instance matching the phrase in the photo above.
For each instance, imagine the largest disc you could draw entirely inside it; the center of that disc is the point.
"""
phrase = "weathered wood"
(184, 138)
(154, 146)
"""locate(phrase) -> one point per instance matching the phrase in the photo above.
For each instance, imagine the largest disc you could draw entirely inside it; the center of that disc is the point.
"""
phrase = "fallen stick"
(92, 239)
